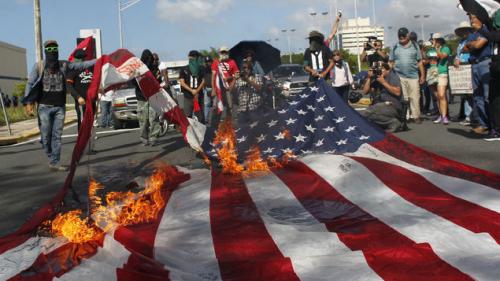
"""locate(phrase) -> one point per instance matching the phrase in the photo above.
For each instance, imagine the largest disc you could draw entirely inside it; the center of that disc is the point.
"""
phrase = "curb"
(27, 134)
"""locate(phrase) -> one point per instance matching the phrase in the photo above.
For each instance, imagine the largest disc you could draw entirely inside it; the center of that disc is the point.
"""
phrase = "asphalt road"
(26, 182)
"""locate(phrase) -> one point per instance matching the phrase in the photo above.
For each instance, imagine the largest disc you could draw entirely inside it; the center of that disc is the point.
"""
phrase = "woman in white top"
(341, 76)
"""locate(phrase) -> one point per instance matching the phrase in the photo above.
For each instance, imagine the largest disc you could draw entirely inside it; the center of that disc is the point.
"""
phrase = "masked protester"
(149, 121)
(192, 82)
(47, 88)
(341, 76)
(318, 57)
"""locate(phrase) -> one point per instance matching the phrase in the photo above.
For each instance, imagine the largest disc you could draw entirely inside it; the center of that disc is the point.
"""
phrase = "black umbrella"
(482, 9)
(268, 56)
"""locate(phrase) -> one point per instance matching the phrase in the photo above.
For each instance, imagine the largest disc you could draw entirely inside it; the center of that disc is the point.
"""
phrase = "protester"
(427, 97)
(207, 91)
(15, 101)
(462, 58)
(442, 52)
(6, 100)
(224, 74)
(373, 52)
(408, 64)
(249, 93)
(317, 58)
(106, 103)
(385, 89)
(257, 68)
(334, 31)
(494, 87)
(192, 83)
(341, 76)
(47, 87)
(78, 84)
(480, 52)
(149, 122)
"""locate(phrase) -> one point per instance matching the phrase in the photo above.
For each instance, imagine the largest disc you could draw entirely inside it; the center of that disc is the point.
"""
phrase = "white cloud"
(186, 10)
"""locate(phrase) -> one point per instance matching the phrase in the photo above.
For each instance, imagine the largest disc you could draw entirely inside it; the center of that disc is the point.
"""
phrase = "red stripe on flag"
(244, 248)
(148, 84)
(390, 254)
(416, 156)
(58, 262)
(140, 241)
(419, 191)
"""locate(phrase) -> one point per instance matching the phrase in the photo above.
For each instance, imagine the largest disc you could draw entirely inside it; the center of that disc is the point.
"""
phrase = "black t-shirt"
(81, 81)
(192, 81)
(207, 75)
(319, 60)
(393, 79)
(53, 88)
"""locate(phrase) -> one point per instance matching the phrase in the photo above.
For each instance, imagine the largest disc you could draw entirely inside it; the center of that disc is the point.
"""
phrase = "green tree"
(19, 89)
(210, 53)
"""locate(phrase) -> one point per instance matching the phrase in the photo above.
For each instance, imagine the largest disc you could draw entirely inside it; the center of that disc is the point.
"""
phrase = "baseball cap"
(50, 43)
(437, 35)
(223, 49)
(403, 31)
(193, 53)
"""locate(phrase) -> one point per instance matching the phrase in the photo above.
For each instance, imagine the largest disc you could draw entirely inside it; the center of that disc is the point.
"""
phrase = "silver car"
(124, 107)
(291, 79)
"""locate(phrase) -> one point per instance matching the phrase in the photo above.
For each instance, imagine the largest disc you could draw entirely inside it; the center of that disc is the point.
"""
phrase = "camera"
(339, 13)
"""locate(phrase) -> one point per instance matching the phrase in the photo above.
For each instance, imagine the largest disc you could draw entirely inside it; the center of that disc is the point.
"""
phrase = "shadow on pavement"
(465, 133)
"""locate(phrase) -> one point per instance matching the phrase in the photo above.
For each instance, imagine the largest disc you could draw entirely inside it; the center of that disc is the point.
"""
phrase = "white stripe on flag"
(112, 75)
(475, 254)
(184, 239)
(20, 258)
(102, 266)
(476, 193)
(316, 253)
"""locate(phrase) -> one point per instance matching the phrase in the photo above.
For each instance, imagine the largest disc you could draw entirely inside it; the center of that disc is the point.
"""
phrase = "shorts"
(443, 80)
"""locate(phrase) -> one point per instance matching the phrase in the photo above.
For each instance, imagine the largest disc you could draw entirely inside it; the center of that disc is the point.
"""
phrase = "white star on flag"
(319, 118)
(287, 151)
(300, 138)
(320, 99)
(283, 111)
(314, 89)
(254, 124)
(304, 96)
(350, 129)
(342, 142)
(261, 138)
(329, 129)
(290, 121)
(310, 128)
(280, 136)
(301, 112)
(269, 150)
(242, 139)
(311, 108)
(319, 143)
(272, 123)
(364, 137)
(339, 120)
(293, 102)
(329, 109)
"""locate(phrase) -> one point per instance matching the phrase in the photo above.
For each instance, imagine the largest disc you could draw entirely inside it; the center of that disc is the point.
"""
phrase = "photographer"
(384, 86)
(249, 93)
(373, 52)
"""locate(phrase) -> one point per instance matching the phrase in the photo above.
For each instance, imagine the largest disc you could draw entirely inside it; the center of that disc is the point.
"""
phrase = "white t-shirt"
(108, 96)
(340, 78)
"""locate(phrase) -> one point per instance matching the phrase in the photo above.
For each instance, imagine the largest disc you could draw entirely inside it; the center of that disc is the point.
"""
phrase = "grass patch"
(15, 114)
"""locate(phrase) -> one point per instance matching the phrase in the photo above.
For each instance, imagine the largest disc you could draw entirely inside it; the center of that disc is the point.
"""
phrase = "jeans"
(51, 128)
(207, 103)
(105, 114)
(343, 92)
(481, 85)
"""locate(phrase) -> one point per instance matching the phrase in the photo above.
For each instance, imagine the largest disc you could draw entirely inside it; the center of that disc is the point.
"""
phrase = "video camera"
(377, 69)
(372, 40)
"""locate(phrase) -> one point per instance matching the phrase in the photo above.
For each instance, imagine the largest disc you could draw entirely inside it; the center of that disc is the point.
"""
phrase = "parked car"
(124, 108)
(290, 79)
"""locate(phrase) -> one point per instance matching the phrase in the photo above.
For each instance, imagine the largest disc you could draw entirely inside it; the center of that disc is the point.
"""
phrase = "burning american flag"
(311, 191)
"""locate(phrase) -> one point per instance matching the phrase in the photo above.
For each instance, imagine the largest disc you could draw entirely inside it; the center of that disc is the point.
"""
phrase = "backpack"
(396, 46)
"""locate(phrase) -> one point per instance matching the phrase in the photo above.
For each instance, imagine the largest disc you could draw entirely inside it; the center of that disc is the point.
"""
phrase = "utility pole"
(38, 35)
(357, 33)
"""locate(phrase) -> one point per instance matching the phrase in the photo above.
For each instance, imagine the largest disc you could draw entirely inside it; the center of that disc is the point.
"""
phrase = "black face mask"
(314, 45)
(52, 59)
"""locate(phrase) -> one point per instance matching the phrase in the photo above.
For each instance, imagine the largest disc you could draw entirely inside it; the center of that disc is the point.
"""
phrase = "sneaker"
(144, 142)
(58, 168)
(438, 120)
(480, 130)
(445, 120)
(466, 122)
(492, 136)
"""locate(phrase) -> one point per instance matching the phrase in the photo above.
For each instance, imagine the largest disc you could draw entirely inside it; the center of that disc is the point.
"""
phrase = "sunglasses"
(51, 49)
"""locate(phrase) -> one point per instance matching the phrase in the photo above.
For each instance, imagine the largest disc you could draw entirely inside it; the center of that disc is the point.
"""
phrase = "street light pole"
(357, 33)
(285, 31)
(38, 34)
(313, 14)
(374, 18)
(422, 17)
(122, 7)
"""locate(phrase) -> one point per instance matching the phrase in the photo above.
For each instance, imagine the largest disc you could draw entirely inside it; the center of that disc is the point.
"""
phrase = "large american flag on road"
(355, 204)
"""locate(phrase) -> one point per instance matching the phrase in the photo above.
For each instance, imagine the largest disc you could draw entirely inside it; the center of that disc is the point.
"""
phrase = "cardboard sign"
(460, 80)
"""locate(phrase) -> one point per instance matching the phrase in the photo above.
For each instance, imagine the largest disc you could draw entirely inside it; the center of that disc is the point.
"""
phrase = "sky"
(173, 27)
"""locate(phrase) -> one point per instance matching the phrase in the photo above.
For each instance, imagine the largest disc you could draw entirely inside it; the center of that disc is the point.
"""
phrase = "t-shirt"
(462, 56)
(484, 52)
(226, 69)
(53, 88)
(443, 63)
(319, 60)
(207, 75)
(406, 59)
(81, 81)
(192, 81)
(393, 79)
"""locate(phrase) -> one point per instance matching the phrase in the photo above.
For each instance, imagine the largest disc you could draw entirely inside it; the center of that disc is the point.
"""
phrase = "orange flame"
(74, 228)
(254, 161)
(227, 153)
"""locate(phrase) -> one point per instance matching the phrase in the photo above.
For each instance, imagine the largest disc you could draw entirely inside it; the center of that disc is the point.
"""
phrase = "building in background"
(350, 33)
(13, 68)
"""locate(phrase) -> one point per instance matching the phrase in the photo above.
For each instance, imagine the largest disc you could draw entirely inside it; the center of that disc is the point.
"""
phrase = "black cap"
(403, 31)
(80, 54)
(193, 53)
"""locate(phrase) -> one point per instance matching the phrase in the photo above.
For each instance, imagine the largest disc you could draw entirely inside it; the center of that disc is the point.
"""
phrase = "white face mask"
(224, 57)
